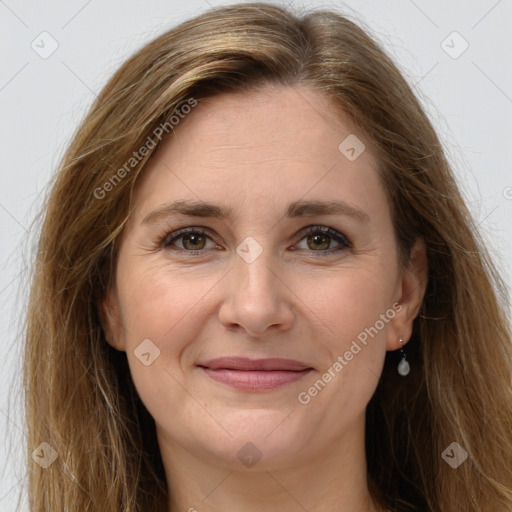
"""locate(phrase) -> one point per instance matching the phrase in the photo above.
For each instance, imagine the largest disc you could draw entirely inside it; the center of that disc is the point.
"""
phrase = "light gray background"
(468, 98)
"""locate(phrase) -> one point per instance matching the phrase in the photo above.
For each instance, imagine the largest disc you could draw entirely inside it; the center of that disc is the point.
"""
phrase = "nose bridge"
(254, 269)
(257, 298)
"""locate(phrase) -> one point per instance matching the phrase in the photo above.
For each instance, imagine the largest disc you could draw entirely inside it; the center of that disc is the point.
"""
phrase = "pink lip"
(254, 374)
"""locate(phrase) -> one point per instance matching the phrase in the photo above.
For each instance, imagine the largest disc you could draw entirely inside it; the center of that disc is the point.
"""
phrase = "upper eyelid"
(178, 233)
(325, 230)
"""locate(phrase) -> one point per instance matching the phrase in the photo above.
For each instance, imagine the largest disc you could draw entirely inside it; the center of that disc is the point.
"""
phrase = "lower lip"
(256, 380)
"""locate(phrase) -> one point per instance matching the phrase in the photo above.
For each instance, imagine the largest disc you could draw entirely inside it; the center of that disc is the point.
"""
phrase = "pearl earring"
(403, 366)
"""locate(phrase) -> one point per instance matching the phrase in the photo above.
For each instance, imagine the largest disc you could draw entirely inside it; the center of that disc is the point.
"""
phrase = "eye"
(319, 239)
(193, 240)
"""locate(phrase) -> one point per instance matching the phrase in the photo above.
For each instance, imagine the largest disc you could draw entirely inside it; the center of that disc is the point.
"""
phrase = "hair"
(78, 392)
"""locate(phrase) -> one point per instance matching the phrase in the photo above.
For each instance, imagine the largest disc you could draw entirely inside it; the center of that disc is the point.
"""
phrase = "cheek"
(349, 301)
(167, 308)
(160, 301)
(354, 315)
(352, 310)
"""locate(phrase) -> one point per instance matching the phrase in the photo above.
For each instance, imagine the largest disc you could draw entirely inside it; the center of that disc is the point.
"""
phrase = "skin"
(256, 153)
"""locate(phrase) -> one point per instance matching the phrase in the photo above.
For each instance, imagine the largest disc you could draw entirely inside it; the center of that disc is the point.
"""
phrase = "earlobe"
(110, 317)
(412, 288)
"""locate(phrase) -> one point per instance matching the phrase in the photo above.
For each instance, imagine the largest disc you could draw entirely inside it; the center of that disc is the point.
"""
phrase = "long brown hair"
(79, 395)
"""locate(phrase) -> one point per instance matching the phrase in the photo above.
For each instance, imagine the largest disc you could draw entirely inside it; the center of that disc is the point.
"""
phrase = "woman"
(258, 288)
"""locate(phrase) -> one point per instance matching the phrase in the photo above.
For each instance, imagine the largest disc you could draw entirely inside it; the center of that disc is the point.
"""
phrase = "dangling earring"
(403, 365)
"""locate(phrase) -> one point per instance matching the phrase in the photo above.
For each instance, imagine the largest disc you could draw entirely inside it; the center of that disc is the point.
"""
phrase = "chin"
(259, 441)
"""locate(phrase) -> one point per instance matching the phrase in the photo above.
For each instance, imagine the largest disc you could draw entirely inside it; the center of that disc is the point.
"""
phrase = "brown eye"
(189, 240)
(321, 242)
(319, 239)
(193, 241)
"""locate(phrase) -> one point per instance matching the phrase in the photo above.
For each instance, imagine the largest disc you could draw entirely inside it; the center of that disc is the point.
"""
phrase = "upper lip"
(246, 364)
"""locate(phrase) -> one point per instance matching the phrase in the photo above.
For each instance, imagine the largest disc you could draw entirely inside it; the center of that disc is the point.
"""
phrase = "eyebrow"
(295, 209)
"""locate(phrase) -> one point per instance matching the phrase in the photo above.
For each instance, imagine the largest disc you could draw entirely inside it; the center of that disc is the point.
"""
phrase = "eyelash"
(166, 241)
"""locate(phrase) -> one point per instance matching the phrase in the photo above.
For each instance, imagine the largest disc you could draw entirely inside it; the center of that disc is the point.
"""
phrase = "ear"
(411, 290)
(110, 316)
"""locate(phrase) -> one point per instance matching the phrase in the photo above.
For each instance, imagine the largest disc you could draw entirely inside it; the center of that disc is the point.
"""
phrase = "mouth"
(254, 374)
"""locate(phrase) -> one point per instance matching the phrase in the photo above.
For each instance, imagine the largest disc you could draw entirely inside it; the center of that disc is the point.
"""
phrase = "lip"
(246, 364)
(254, 374)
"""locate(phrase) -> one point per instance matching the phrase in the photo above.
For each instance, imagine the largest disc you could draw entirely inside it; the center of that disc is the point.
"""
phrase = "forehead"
(274, 144)
(271, 121)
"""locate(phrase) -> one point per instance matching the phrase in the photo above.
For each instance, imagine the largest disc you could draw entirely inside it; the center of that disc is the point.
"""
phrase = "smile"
(254, 375)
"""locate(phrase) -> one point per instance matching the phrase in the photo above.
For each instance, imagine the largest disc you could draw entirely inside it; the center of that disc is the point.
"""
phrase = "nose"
(257, 298)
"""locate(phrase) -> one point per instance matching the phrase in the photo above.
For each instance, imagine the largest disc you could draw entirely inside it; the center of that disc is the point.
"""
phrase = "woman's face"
(263, 282)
